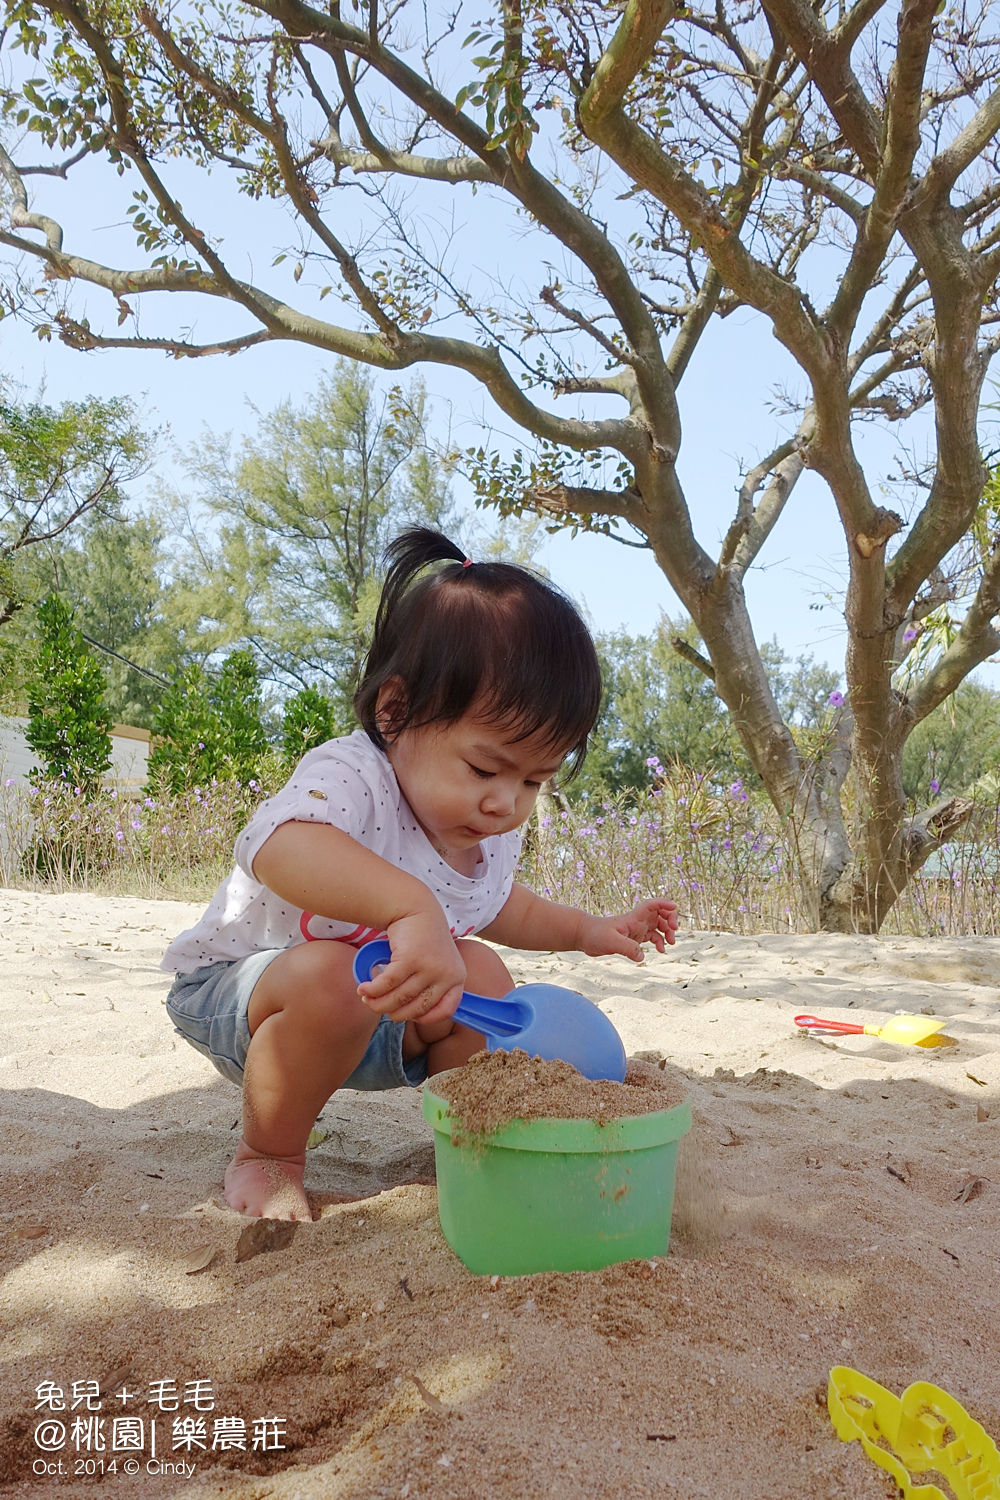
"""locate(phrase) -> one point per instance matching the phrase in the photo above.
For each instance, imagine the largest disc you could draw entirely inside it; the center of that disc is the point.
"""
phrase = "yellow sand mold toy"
(923, 1430)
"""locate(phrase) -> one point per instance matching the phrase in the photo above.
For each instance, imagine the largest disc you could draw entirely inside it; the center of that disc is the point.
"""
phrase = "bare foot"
(266, 1187)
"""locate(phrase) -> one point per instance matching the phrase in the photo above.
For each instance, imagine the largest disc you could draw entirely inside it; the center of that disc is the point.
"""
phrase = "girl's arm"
(323, 870)
(528, 921)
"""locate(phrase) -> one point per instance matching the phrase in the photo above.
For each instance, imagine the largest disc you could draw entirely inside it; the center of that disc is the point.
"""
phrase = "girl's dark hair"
(487, 634)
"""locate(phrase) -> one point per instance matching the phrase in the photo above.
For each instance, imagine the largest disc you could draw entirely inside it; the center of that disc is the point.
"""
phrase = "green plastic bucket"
(556, 1195)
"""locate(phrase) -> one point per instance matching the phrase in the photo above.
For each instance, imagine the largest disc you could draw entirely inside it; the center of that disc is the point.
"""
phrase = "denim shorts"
(209, 1009)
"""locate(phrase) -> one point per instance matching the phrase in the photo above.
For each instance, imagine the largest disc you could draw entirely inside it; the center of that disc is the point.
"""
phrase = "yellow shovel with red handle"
(915, 1031)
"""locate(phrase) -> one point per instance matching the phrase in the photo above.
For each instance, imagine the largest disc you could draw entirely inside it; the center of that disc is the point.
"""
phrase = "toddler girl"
(481, 681)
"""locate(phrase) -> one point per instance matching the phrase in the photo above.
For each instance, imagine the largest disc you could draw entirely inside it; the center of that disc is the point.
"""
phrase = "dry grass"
(722, 854)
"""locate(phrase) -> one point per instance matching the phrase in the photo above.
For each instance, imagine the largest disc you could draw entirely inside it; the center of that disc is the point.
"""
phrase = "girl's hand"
(648, 922)
(425, 977)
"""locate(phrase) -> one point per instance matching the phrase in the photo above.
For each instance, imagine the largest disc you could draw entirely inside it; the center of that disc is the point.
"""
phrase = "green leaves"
(500, 92)
(210, 726)
(56, 465)
(68, 724)
(310, 717)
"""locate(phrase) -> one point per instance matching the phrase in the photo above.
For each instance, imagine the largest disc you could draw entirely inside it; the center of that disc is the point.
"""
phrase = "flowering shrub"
(179, 845)
(730, 862)
(720, 852)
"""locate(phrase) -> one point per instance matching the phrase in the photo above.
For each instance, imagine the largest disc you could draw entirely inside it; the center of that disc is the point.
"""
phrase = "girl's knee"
(313, 981)
(485, 971)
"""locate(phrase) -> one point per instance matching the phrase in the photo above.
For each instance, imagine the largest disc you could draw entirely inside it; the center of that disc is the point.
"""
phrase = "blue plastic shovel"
(544, 1020)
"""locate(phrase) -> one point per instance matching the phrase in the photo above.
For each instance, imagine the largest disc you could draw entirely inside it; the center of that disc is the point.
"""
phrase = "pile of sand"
(838, 1203)
(496, 1087)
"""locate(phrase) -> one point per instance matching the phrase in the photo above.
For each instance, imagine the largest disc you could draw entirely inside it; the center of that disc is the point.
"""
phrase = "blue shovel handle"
(494, 1018)
(542, 1019)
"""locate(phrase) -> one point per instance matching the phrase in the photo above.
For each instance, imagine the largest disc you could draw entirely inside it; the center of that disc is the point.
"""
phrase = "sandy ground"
(838, 1203)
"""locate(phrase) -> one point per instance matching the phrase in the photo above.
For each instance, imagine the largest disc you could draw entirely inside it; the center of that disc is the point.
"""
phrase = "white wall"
(129, 753)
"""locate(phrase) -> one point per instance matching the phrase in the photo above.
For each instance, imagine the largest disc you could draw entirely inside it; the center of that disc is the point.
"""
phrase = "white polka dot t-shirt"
(347, 782)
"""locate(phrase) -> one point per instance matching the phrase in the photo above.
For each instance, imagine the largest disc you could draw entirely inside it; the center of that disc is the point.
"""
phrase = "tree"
(304, 510)
(659, 705)
(829, 168)
(58, 465)
(955, 746)
(209, 725)
(68, 723)
(110, 572)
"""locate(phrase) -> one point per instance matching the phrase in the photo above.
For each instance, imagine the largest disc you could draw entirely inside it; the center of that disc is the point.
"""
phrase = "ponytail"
(407, 555)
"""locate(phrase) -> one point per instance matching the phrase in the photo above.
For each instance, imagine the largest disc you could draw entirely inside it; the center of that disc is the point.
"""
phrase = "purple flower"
(910, 633)
(935, 786)
(835, 699)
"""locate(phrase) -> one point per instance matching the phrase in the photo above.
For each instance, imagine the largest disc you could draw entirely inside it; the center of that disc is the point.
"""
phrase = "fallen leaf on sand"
(264, 1235)
(974, 1079)
(31, 1231)
(970, 1189)
(429, 1396)
(316, 1138)
(199, 1259)
(112, 1381)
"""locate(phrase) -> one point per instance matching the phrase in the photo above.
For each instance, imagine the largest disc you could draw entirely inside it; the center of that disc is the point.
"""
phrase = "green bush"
(210, 727)
(309, 719)
(68, 724)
